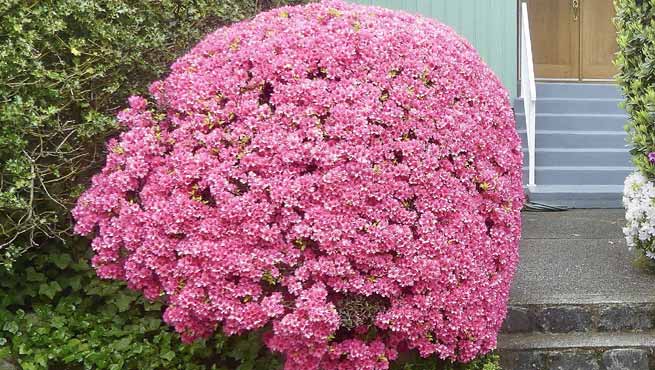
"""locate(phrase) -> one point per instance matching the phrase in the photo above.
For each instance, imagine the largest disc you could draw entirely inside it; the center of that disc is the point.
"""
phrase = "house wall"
(490, 25)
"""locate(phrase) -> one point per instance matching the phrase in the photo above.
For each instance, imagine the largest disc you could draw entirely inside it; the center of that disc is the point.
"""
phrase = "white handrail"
(528, 91)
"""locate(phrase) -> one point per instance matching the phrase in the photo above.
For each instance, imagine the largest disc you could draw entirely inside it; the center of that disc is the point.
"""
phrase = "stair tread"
(577, 189)
(563, 98)
(573, 115)
(583, 168)
(578, 196)
(576, 132)
(573, 85)
(574, 105)
(578, 257)
(534, 341)
(580, 150)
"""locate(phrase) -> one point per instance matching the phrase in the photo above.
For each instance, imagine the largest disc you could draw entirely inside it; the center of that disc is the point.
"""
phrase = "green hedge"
(635, 22)
(55, 314)
(66, 67)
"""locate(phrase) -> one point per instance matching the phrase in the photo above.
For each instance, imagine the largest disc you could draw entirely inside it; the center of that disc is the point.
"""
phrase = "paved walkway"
(578, 257)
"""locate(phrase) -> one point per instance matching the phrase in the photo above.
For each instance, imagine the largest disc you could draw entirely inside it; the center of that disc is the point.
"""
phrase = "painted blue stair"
(567, 139)
(576, 122)
(575, 175)
(578, 90)
(582, 157)
(575, 105)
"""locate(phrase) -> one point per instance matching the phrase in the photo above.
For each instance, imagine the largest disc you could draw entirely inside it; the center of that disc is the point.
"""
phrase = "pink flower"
(312, 156)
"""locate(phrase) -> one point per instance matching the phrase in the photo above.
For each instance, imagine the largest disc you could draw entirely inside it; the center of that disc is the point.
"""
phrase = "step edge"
(579, 150)
(578, 190)
(544, 341)
(589, 304)
(575, 115)
(572, 99)
(577, 132)
(582, 168)
(561, 300)
(576, 83)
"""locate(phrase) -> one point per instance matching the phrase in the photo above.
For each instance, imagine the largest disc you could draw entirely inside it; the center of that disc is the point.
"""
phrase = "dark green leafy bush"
(66, 67)
(56, 314)
(414, 362)
(635, 22)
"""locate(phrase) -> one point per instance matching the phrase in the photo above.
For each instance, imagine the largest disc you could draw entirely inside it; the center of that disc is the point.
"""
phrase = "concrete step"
(577, 196)
(576, 139)
(580, 157)
(574, 106)
(607, 351)
(578, 257)
(577, 300)
(578, 175)
(575, 122)
(578, 90)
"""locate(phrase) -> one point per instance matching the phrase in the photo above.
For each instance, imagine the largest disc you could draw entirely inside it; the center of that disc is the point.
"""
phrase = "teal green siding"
(490, 25)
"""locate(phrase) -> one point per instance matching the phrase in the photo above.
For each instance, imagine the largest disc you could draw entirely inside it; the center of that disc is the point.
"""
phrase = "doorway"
(573, 40)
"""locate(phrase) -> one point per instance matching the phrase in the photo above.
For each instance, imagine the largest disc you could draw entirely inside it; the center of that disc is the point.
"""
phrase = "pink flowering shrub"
(347, 176)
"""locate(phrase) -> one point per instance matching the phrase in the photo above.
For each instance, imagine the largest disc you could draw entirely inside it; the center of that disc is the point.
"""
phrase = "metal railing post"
(528, 91)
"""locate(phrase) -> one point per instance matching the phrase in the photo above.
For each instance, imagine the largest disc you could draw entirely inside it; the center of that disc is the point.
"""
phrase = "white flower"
(639, 202)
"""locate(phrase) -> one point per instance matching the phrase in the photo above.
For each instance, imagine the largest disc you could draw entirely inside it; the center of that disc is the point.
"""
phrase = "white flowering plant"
(639, 202)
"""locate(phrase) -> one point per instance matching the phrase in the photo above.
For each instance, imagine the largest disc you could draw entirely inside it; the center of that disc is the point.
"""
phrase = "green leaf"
(32, 276)
(61, 260)
(123, 302)
(74, 282)
(122, 344)
(49, 289)
(11, 326)
(168, 355)
(153, 306)
(28, 366)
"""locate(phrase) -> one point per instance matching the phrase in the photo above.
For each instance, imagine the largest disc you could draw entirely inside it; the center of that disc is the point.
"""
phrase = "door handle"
(575, 4)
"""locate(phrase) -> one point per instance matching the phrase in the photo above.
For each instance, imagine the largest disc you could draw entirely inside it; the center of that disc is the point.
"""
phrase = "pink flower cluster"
(311, 156)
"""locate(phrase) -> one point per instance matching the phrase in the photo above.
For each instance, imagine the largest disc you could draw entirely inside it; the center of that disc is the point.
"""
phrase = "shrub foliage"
(346, 178)
(636, 40)
(65, 68)
(55, 314)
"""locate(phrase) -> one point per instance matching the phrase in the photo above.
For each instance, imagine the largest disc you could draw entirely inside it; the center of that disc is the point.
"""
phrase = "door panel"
(555, 33)
(598, 39)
